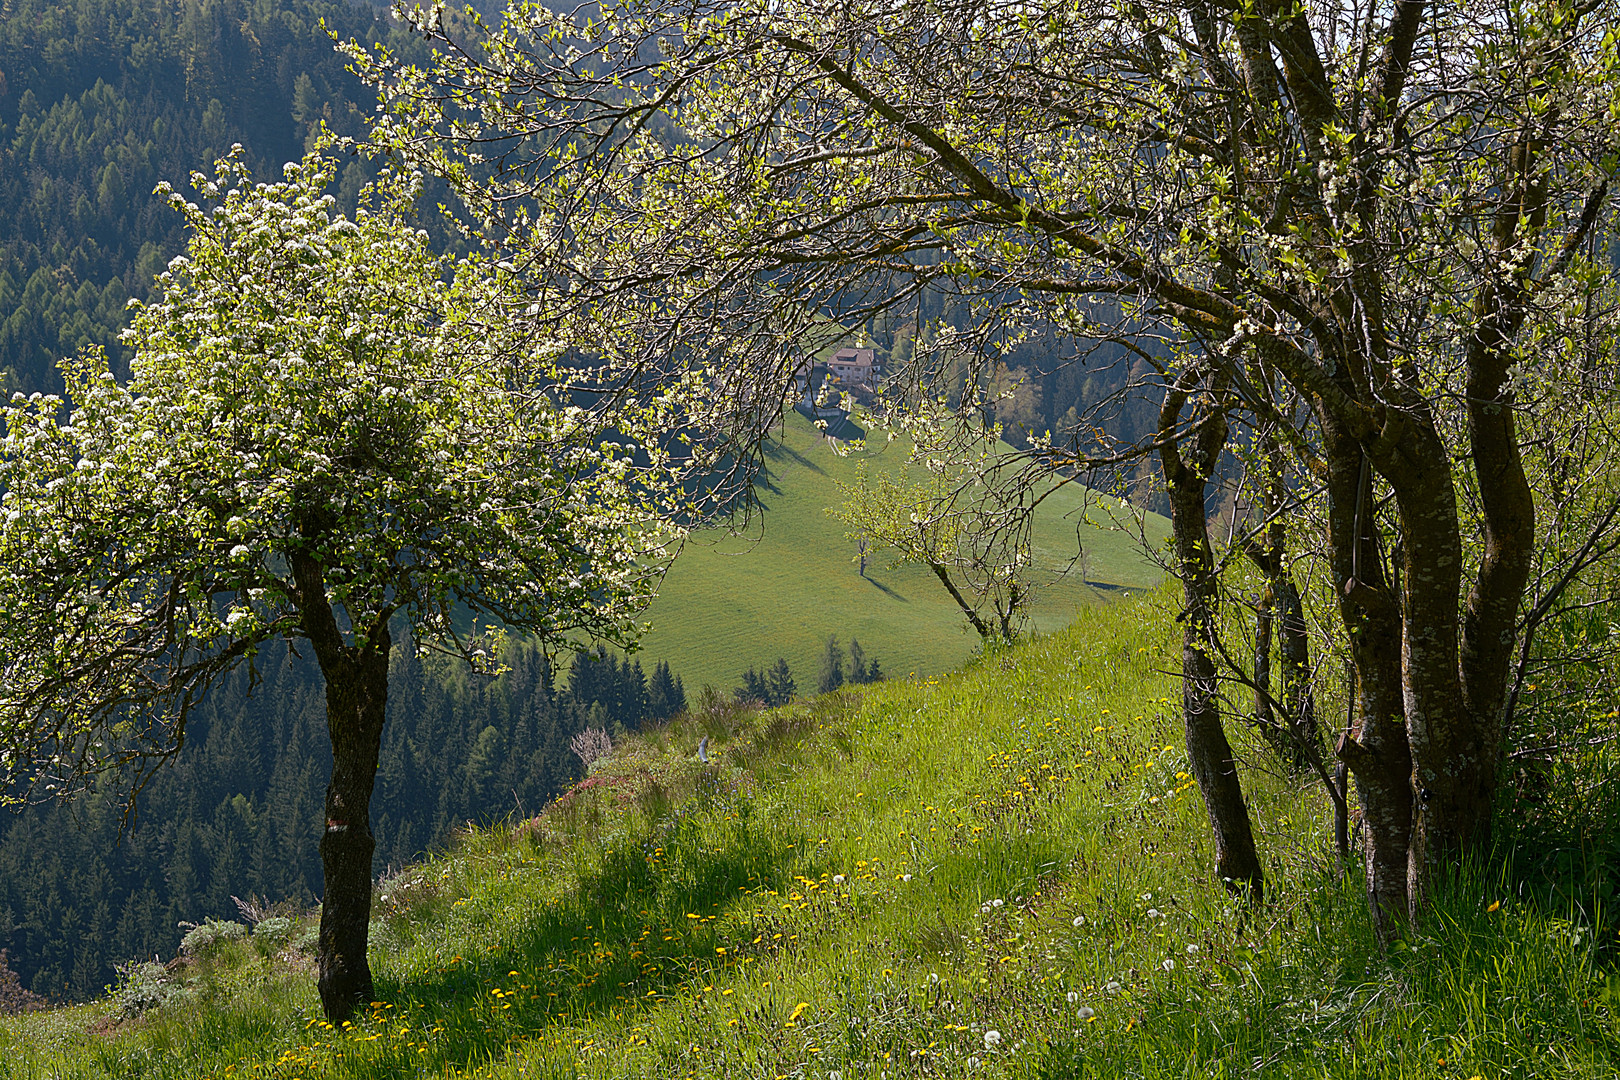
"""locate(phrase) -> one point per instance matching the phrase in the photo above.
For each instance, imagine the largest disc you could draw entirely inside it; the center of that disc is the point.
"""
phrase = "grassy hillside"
(732, 602)
(1002, 872)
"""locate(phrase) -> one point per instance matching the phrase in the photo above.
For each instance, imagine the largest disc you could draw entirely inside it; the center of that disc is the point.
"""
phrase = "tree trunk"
(1294, 649)
(979, 625)
(1263, 717)
(1374, 747)
(356, 704)
(1438, 729)
(1208, 752)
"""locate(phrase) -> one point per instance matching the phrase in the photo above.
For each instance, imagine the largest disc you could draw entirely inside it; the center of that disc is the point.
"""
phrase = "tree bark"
(1438, 728)
(1280, 629)
(1208, 752)
(979, 625)
(1374, 748)
(1263, 717)
(356, 704)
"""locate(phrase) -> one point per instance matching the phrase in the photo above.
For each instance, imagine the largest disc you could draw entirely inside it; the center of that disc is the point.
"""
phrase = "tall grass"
(1003, 872)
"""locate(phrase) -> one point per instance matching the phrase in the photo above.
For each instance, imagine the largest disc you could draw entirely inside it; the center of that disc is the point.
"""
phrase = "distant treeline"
(239, 812)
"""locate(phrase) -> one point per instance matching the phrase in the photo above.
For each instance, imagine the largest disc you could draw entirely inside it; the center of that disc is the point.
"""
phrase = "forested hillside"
(238, 812)
(100, 100)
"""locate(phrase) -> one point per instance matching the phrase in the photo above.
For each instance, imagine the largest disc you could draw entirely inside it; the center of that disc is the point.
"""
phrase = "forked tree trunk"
(1209, 753)
(356, 705)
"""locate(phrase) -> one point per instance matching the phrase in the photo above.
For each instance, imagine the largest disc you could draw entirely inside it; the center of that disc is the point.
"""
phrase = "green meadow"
(790, 579)
(998, 872)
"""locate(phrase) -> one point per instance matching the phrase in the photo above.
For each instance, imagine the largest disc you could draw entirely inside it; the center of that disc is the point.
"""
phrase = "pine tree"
(781, 686)
(832, 667)
(753, 688)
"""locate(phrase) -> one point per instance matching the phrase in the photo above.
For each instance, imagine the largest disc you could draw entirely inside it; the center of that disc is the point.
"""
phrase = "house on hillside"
(855, 368)
(808, 382)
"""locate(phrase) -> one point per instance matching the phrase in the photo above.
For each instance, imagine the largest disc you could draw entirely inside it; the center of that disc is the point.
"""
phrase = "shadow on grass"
(890, 593)
(649, 919)
(782, 450)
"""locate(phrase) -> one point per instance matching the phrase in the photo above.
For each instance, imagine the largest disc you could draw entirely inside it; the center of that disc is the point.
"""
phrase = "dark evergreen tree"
(862, 670)
(665, 698)
(754, 687)
(780, 683)
(832, 667)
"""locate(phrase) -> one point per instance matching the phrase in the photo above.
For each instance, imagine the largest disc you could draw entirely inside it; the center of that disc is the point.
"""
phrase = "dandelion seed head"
(992, 1039)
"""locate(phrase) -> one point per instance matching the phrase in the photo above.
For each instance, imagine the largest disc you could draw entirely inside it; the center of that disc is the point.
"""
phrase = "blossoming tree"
(328, 434)
(1378, 233)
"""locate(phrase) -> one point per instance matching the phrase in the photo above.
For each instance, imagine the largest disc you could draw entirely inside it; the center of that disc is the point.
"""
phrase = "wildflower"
(995, 903)
(838, 879)
(1085, 1012)
(1169, 964)
(1079, 921)
(1111, 986)
(905, 877)
(992, 1039)
(1154, 913)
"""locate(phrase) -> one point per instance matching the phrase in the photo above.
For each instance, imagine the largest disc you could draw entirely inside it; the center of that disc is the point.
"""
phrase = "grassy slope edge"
(1001, 872)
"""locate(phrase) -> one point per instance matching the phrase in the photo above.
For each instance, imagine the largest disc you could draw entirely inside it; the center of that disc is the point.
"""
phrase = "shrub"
(201, 937)
(147, 984)
(592, 745)
(14, 996)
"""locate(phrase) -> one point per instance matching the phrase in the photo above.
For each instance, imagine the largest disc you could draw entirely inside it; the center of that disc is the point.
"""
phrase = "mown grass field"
(790, 581)
(1001, 872)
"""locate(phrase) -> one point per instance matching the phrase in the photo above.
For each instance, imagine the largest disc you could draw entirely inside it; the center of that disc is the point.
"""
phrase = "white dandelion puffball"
(905, 877)
(1154, 913)
(1169, 964)
(1086, 1012)
(1079, 921)
(1074, 996)
(838, 879)
(992, 1039)
(1192, 950)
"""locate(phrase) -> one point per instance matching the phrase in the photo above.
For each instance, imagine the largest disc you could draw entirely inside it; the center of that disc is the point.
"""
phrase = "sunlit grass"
(1003, 872)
